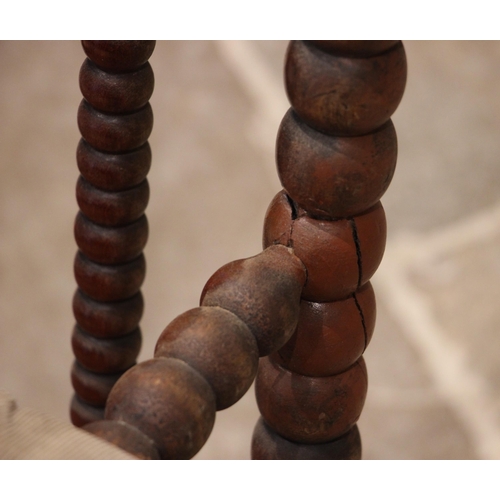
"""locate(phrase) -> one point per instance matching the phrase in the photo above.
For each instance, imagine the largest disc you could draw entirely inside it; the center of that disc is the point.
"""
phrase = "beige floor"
(433, 362)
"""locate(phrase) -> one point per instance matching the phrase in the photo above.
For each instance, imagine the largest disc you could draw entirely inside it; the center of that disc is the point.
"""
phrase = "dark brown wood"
(330, 336)
(113, 172)
(92, 388)
(126, 437)
(354, 48)
(102, 355)
(116, 92)
(107, 319)
(344, 96)
(168, 401)
(370, 230)
(82, 413)
(310, 409)
(111, 245)
(114, 133)
(334, 177)
(263, 291)
(267, 445)
(119, 55)
(109, 283)
(324, 237)
(340, 256)
(112, 208)
(111, 230)
(217, 344)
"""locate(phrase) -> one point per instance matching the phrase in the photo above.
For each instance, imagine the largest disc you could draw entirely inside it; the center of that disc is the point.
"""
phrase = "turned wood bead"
(310, 409)
(116, 93)
(126, 437)
(82, 413)
(119, 55)
(106, 355)
(168, 401)
(218, 345)
(263, 291)
(107, 319)
(109, 283)
(370, 230)
(354, 48)
(111, 245)
(330, 336)
(334, 177)
(92, 388)
(340, 255)
(112, 208)
(115, 133)
(113, 172)
(267, 445)
(344, 96)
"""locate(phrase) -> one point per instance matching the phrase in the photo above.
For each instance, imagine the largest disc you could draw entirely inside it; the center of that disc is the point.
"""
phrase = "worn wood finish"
(111, 230)
(113, 172)
(111, 245)
(119, 55)
(263, 291)
(336, 153)
(324, 237)
(217, 344)
(126, 437)
(340, 255)
(108, 283)
(310, 409)
(330, 336)
(334, 177)
(106, 355)
(354, 48)
(267, 445)
(342, 95)
(82, 413)
(116, 92)
(115, 133)
(112, 208)
(92, 388)
(168, 401)
(107, 319)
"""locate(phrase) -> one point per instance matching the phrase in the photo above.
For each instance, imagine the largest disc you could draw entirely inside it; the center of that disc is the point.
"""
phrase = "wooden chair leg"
(304, 305)
(111, 230)
(336, 154)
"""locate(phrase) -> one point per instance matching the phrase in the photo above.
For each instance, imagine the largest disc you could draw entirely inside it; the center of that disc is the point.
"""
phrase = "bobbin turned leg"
(336, 154)
(113, 156)
(306, 299)
(206, 358)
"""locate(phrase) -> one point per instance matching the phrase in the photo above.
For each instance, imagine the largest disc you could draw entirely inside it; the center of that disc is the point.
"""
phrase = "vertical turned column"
(336, 154)
(111, 230)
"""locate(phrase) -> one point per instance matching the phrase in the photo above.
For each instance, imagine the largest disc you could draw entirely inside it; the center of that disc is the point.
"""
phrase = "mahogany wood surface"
(217, 344)
(267, 445)
(168, 401)
(263, 291)
(310, 409)
(334, 177)
(92, 388)
(339, 255)
(330, 336)
(344, 95)
(113, 172)
(109, 283)
(305, 300)
(111, 230)
(106, 355)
